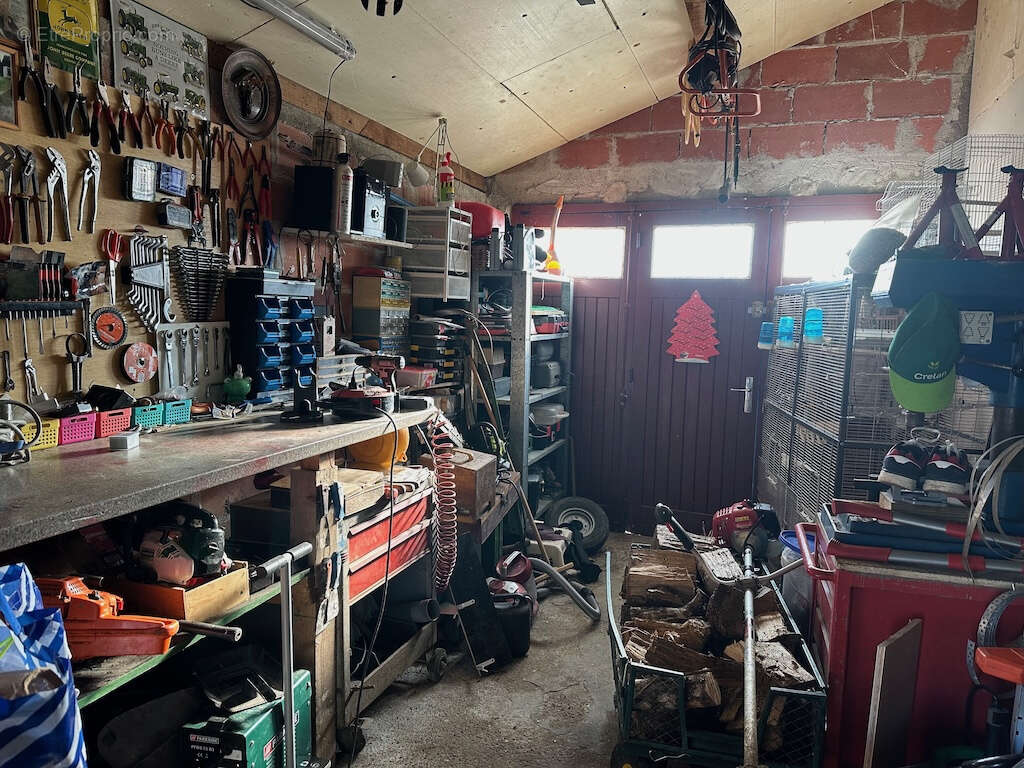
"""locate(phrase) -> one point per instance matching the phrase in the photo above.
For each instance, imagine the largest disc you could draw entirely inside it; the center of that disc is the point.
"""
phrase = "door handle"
(748, 394)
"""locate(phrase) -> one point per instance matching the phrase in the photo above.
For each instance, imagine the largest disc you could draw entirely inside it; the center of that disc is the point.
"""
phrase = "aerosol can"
(343, 182)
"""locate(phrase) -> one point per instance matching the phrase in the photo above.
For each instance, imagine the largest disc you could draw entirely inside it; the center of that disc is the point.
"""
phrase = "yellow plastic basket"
(49, 438)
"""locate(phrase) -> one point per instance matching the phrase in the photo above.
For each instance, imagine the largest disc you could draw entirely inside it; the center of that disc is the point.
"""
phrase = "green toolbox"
(251, 738)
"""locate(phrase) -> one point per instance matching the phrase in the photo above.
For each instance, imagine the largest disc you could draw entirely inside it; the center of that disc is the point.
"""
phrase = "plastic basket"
(178, 412)
(77, 429)
(111, 422)
(148, 416)
(49, 438)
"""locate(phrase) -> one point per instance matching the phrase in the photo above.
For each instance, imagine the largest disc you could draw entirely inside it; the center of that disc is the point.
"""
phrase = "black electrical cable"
(387, 573)
(330, 82)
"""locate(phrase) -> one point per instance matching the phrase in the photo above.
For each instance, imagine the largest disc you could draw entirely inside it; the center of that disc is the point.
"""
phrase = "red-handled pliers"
(7, 200)
(144, 116)
(164, 126)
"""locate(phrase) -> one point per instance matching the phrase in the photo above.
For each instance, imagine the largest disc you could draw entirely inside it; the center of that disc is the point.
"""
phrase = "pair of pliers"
(248, 156)
(101, 109)
(164, 127)
(44, 93)
(264, 165)
(231, 191)
(251, 237)
(76, 105)
(248, 193)
(126, 117)
(234, 252)
(181, 128)
(266, 212)
(144, 116)
(7, 158)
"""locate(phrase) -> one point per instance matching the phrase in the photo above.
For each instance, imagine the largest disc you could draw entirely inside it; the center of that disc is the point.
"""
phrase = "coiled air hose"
(446, 522)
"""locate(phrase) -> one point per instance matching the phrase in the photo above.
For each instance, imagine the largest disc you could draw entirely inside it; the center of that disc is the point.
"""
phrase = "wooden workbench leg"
(315, 603)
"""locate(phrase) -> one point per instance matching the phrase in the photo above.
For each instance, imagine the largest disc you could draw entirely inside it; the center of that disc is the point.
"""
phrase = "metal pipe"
(288, 692)
(310, 27)
(749, 667)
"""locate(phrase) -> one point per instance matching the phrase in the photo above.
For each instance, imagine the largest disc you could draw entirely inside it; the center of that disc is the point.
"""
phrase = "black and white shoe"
(947, 471)
(903, 465)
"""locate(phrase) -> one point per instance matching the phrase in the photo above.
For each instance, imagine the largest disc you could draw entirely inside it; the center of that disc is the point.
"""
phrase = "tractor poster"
(158, 56)
(69, 34)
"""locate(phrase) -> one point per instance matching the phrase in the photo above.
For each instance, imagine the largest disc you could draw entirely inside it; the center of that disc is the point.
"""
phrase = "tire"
(437, 663)
(625, 756)
(589, 513)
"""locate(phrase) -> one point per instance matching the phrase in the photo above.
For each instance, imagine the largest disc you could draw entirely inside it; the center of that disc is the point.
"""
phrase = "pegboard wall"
(114, 212)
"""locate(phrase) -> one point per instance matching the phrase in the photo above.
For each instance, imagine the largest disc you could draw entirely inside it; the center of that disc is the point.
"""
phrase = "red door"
(690, 442)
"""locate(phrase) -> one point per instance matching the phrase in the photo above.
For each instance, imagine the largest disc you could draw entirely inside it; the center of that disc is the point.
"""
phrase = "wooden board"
(54, 374)
(892, 697)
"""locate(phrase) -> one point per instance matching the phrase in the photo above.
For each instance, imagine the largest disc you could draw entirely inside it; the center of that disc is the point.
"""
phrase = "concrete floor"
(554, 708)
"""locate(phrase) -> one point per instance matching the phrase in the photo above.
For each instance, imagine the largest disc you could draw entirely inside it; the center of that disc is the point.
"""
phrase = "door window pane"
(703, 252)
(818, 250)
(589, 251)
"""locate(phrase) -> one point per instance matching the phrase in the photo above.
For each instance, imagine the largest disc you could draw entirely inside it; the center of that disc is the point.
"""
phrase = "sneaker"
(947, 471)
(903, 465)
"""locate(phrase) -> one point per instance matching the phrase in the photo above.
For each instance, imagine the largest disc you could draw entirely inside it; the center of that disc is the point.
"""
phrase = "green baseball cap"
(923, 356)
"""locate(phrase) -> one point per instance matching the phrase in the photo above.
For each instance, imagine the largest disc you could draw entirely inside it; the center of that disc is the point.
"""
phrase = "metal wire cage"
(828, 415)
(980, 187)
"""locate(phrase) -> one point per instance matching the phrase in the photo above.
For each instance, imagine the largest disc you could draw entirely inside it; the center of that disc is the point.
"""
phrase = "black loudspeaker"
(313, 198)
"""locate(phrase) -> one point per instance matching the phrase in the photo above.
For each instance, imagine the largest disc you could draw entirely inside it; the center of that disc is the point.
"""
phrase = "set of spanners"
(57, 184)
(189, 372)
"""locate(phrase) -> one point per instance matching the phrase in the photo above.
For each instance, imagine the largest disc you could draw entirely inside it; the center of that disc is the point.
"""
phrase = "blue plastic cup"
(766, 339)
(813, 326)
(786, 331)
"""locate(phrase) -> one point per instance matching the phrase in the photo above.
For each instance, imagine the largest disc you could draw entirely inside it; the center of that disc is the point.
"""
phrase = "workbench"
(67, 488)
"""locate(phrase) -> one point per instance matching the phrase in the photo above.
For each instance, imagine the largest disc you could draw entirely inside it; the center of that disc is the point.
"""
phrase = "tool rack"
(526, 289)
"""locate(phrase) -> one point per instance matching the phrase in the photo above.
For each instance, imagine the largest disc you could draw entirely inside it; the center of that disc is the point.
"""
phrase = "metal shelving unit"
(558, 290)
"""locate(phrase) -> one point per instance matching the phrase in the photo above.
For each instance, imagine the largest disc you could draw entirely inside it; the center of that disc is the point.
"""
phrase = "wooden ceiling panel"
(490, 129)
(507, 37)
(586, 88)
(658, 33)
(217, 19)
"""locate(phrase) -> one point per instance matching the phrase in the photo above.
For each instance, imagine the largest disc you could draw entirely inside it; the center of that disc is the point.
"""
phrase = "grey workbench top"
(71, 486)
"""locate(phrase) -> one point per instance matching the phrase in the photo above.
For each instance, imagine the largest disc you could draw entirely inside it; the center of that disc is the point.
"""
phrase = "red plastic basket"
(111, 422)
(78, 429)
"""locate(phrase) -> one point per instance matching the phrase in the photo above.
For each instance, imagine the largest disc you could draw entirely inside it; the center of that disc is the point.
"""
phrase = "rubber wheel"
(589, 514)
(437, 663)
(625, 756)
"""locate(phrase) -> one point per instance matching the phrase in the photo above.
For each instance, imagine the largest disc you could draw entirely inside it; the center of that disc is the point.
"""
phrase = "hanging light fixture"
(417, 173)
(312, 28)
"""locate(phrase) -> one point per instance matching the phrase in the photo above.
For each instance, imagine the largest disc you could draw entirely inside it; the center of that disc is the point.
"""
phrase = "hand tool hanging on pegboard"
(102, 113)
(29, 188)
(47, 93)
(709, 86)
(76, 105)
(57, 193)
(7, 158)
(90, 190)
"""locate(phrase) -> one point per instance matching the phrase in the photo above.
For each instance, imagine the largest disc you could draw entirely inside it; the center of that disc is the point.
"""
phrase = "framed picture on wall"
(8, 80)
(17, 19)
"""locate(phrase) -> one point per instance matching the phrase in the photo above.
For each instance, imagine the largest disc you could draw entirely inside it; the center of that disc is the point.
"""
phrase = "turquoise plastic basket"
(178, 412)
(148, 416)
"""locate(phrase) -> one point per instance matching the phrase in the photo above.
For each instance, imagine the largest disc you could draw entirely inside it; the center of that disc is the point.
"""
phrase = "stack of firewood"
(678, 614)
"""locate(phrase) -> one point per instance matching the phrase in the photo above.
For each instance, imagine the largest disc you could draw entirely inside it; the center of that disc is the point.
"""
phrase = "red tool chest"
(368, 544)
(856, 605)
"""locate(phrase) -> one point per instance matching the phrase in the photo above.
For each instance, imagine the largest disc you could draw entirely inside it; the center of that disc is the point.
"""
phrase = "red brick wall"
(845, 111)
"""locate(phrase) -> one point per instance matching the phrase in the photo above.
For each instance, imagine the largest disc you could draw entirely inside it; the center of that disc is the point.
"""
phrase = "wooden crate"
(476, 477)
(206, 602)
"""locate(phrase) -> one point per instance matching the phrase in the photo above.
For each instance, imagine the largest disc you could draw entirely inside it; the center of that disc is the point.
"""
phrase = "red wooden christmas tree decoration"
(693, 338)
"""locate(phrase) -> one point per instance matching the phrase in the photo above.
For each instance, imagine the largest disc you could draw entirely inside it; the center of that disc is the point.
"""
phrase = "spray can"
(446, 181)
(343, 181)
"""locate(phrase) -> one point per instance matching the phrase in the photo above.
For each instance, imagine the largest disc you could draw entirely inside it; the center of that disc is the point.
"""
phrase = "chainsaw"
(745, 522)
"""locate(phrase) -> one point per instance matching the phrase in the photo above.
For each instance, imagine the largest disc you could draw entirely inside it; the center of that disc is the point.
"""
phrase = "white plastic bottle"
(343, 181)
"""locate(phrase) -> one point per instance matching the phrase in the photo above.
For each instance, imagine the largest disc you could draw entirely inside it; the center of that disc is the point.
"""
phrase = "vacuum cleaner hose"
(583, 597)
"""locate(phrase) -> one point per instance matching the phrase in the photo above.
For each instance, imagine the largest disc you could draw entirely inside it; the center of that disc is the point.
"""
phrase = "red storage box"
(367, 573)
(857, 604)
(366, 537)
(485, 218)
(78, 429)
(111, 422)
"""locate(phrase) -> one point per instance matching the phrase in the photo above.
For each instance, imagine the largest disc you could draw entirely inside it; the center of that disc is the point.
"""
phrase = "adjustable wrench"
(8, 379)
(194, 333)
(206, 351)
(182, 335)
(167, 370)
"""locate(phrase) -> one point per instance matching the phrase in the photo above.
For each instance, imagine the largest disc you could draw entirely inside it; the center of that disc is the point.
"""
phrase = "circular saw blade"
(251, 93)
(108, 327)
(140, 362)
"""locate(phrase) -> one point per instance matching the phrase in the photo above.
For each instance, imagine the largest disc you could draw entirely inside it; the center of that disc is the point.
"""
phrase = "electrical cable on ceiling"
(330, 82)
(387, 573)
